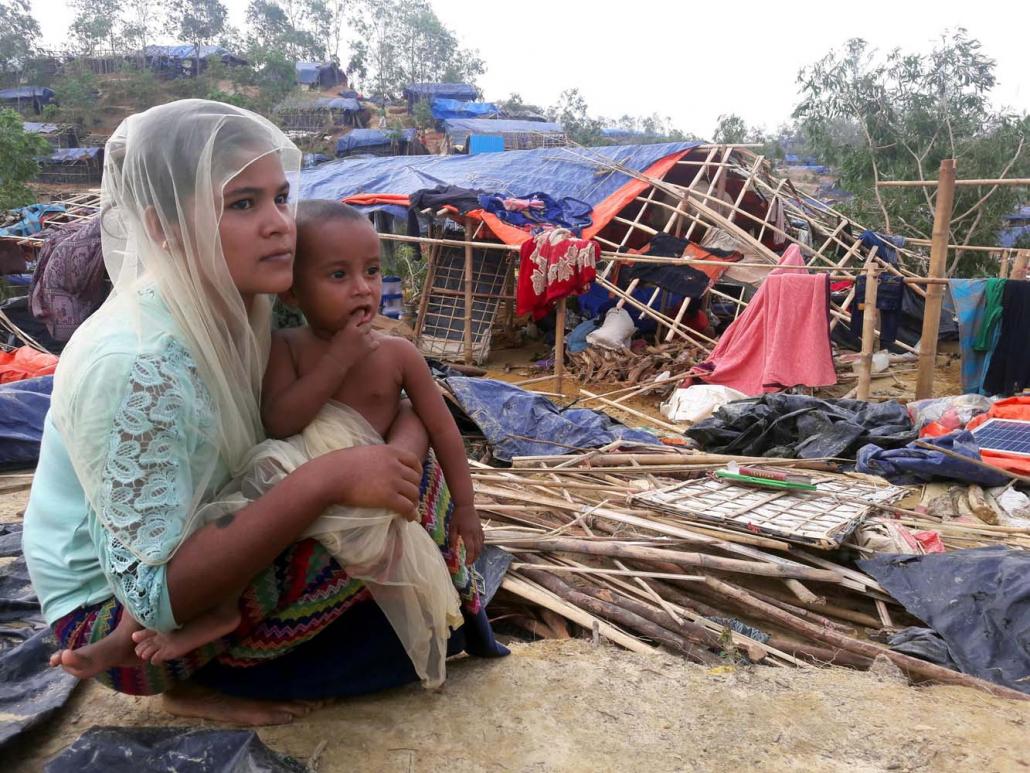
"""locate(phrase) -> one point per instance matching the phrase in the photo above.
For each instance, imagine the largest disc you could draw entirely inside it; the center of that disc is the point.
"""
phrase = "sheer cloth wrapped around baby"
(398, 561)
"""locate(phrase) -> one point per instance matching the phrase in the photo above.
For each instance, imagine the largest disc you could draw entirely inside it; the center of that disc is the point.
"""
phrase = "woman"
(155, 408)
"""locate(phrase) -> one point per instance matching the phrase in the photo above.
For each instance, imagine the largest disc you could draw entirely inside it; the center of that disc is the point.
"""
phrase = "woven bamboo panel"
(822, 518)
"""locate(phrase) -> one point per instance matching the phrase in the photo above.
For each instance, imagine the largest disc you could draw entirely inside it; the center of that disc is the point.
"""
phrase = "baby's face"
(338, 276)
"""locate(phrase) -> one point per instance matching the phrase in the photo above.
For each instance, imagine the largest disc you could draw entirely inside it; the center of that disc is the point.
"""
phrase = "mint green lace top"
(123, 467)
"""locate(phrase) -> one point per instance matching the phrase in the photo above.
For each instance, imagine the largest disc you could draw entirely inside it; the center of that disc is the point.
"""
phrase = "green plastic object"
(748, 480)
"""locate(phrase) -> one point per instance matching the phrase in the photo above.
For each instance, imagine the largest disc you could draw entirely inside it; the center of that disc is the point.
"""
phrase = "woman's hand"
(372, 476)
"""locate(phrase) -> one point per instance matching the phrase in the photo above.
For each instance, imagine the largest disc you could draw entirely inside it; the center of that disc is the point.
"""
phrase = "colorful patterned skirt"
(286, 605)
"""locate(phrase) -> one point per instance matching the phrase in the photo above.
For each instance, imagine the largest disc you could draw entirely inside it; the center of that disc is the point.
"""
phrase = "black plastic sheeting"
(977, 601)
(116, 749)
(913, 464)
(796, 426)
(923, 643)
(30, 690)
(519, 423)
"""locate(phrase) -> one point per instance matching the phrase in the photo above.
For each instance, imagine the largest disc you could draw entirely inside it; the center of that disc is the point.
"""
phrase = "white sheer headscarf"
(169, 166)
(161, 204)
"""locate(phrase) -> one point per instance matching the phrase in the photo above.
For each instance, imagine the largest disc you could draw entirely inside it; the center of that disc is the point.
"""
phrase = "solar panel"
(1008, 435)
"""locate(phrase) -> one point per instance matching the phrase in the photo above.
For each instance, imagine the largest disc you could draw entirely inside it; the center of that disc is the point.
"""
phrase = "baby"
(336, 364)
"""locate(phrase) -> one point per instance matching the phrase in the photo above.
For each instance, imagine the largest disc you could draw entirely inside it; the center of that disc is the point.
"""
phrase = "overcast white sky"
(690, 61)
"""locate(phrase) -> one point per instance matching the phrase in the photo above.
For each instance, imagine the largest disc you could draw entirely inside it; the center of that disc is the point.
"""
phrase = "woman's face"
(257, 229)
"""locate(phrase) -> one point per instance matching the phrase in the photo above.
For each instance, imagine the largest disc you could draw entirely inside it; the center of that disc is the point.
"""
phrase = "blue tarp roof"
(461, 91)
(454, 108)
(339, 103)
(74, 154)
(184, 51)
(558, 172)
(33, 127)
(28, 92)
(369, 138)
(1023, 213)
(459, 128)
(307, 72)
(1007, 237)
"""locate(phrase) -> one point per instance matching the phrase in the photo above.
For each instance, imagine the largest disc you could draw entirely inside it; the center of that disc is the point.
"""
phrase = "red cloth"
(791, 262)
(25, 362)
(554, 264)
(781, 340)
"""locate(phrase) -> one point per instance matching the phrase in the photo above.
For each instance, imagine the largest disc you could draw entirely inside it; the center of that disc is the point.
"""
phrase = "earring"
(164, 245)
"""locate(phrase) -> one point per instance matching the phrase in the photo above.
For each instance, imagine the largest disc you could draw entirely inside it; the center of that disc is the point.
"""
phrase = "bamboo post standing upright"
(1019, 265)
(865, 373)
(559, 346)
(468, 292)
(935, 292)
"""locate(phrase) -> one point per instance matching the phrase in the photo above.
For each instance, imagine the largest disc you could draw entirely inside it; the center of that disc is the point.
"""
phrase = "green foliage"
(286, 26)
(398, 42)
(19, 150)
(423, 115)
(138, 88)
(198, 22)
(96, 25)
(572, 112)
(18, 33)
(897, 116)
(77, 97)
(274, 79)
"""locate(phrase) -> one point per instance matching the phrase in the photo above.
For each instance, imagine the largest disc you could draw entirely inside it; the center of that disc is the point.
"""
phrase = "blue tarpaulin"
(459, 129)
(33, 127)
(345, 104)
(73, 154)
(415, 92)
(185, 51)
(307, 72)
(30, 219)
(369, 138)
(561, 172)
(519, 423)
(453, 108)
(23, 405)
(913, 465)
(42, 93)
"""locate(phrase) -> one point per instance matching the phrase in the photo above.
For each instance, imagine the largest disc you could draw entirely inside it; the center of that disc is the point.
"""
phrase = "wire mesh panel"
(443, 327)
(823, 518)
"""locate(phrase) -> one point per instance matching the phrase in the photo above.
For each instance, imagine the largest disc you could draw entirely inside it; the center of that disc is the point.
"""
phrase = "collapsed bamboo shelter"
(622, 545)
(76, 166)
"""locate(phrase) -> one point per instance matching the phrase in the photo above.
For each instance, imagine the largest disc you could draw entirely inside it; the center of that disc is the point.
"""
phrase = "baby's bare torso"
(373, 385)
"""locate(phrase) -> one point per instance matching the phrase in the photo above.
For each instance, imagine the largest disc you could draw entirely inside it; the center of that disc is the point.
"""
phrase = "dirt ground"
(569, 706)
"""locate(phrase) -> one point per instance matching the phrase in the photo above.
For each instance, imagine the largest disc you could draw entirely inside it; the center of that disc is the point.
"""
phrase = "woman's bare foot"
(114, 650)
(157, 647)
(189, 700)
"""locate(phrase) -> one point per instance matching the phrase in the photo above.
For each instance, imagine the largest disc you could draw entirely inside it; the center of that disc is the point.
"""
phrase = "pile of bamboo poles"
(586, 555)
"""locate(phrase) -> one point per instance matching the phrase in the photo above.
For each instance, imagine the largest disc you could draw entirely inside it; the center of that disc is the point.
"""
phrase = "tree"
(18, 33)
(140, 26)
(95, 25)
(403, 41)
(328, 20)
(281, 26)
(896, 116)
(19, 150)
(731, 129)
(572, 113)
(77, 102)
(198, 22)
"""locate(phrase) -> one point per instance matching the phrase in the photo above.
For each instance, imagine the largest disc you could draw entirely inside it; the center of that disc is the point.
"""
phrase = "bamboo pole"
(910, 665)
(677, 557)
(935, 293)
(1019, 265)
(937, 182)
(468, 295)
(865, 373)
(559, 345)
